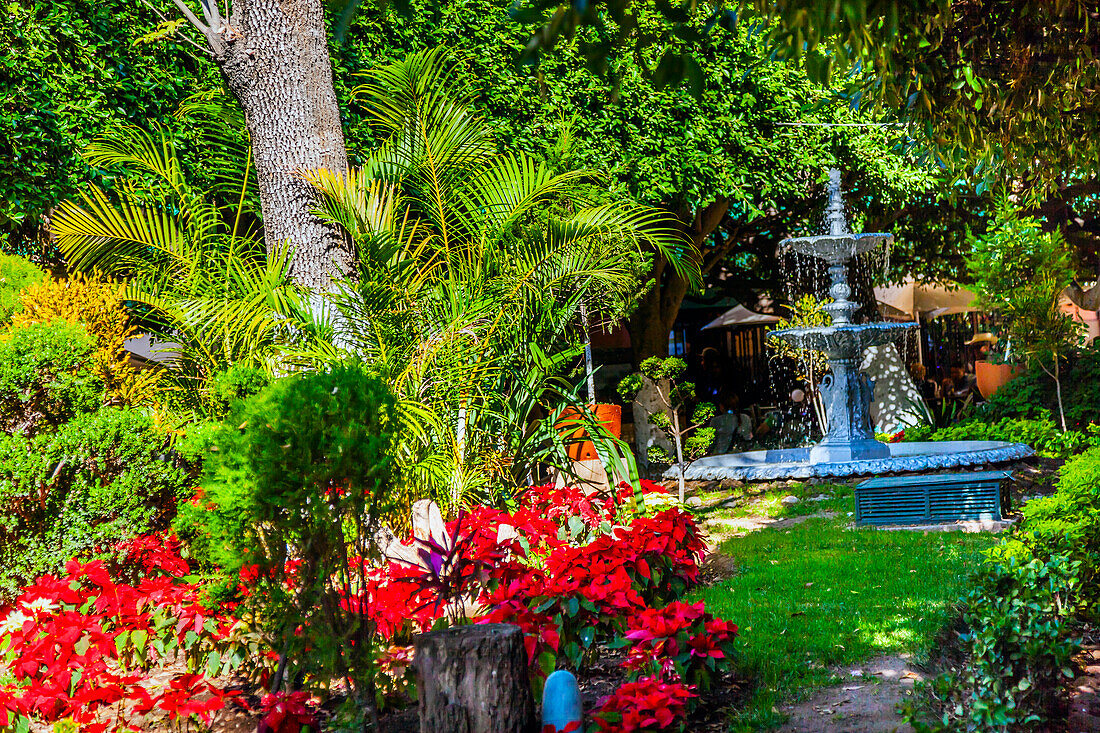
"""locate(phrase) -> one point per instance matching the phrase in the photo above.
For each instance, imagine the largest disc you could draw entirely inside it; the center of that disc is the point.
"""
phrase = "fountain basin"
(795, 463)
(849, 339)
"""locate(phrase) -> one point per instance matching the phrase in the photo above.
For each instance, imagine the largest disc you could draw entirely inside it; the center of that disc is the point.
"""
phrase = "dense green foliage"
(297, 481)
(941, 62)
(1021, 616)
(70, 72)
(100, 477)
(77, 472)
(1017, 645)
(1022, 272)
(1068, 522)
(227, 389)
(473, 267)
(1041, 433)
(1032, 393)
(194, 262)
(740, 140)
(16, 273)
(46, 376)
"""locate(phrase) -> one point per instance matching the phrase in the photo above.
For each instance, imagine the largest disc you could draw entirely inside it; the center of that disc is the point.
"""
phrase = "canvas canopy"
(739, 315)
(912, 299)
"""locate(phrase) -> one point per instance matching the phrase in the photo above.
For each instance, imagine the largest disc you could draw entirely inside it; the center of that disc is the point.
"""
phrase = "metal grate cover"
(945, 497)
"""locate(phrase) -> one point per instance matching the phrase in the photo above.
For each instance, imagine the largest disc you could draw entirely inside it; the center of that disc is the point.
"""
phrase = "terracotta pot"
(991, 377)
(610, 416)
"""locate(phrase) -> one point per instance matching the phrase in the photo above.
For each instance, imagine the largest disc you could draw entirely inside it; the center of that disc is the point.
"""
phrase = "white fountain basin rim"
(833, 246)
(845, 329)
(769, 465)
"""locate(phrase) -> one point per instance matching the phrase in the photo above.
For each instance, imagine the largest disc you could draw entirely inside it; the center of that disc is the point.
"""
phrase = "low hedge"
(1020, 619)
(1041, 433)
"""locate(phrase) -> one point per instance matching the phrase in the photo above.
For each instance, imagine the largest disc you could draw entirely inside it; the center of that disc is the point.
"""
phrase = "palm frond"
(135, 149)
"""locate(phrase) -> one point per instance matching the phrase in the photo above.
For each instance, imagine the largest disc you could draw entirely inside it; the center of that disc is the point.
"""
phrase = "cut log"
(473, 679)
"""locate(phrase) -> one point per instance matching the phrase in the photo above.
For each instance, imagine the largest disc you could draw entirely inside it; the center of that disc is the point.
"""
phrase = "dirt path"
(719, 529)
(867, 703)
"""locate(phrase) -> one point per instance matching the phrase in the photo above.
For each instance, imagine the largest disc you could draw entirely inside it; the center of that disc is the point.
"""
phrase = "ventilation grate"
(948, 497)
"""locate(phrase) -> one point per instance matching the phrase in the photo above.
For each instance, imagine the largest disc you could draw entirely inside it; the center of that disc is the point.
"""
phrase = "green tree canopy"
(729, 152)
(69, 71)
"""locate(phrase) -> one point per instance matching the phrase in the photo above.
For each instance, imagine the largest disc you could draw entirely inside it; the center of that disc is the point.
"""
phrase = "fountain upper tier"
(837, 248)
(844, 341)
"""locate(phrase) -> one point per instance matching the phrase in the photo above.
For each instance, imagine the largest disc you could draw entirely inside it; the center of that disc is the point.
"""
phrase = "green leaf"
(213, 664)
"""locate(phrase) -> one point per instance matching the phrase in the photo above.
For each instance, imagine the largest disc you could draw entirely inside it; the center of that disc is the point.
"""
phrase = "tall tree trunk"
(274, 56)
(658, 308)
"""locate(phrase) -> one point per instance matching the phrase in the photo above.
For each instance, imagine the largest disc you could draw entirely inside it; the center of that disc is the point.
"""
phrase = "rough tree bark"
(473, 679)
(274, 56)
(656, 313)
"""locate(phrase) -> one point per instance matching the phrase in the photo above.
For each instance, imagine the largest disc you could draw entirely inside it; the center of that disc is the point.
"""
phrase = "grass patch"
(741, 502)
(821, 595)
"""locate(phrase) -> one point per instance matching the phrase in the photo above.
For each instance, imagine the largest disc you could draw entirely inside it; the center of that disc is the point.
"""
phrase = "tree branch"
(163, 19)
(192, 18)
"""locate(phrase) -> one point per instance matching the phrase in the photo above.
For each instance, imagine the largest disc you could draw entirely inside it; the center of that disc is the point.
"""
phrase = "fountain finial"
(834, 213)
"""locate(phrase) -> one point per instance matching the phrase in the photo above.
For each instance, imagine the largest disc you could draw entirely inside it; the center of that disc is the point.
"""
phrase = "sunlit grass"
(822, 594)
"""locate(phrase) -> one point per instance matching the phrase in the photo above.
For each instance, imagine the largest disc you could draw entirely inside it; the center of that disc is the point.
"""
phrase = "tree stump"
(473, 679)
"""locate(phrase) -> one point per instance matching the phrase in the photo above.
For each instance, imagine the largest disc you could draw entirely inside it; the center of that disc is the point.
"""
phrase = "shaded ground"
(1084, 690)
(865, 703)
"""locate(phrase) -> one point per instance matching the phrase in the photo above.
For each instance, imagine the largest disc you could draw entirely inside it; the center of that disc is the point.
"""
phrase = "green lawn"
(823, 594)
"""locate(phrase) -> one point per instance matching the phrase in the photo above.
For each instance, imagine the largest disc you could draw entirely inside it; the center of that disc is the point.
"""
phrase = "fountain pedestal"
(850, 435)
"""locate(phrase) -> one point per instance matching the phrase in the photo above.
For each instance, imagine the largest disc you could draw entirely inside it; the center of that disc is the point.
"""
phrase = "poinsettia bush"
(650, 704)
(85, 646)
(619, 588)
(616, 586)
(680, 639)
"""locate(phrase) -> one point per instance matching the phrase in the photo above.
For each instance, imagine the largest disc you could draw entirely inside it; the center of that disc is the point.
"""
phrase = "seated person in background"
(731, 425)
(963, 383)
(928, 388)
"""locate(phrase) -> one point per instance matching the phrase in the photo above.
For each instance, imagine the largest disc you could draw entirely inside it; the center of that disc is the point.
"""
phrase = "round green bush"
(16, 273)
(99, 478)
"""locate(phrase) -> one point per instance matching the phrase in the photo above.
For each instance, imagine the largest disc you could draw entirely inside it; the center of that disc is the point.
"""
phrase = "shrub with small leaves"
(99, 478)
(1018, 647)
(45, 376)
(16, 273)
(227, 390)
(690, 437)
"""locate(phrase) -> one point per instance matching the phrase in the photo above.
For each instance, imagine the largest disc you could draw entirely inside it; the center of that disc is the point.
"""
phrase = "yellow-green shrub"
(98, 305)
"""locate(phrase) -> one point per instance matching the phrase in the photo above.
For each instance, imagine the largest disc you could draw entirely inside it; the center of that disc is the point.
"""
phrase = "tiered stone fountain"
(849, 446)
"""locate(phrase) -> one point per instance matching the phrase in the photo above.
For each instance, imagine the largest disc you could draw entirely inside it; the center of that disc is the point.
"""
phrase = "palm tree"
(473, 264)
(197, 272)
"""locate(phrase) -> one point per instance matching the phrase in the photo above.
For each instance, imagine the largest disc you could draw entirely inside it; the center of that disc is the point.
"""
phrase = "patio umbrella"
(739, 315)
(911, 299)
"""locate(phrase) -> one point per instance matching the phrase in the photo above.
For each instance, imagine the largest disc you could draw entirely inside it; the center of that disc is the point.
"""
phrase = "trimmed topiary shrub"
(46, 376)
(295, 483)
(99, 307)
